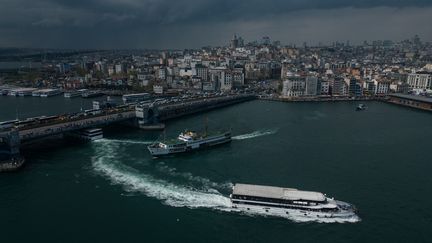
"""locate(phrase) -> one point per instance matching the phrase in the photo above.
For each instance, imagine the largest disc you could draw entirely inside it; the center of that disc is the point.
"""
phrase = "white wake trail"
(255, 134)
(105, 163)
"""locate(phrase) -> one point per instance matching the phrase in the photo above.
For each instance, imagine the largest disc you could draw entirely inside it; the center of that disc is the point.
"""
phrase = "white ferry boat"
(74, 93)
(290, 202)
(45, 93)
(133, 98)
(188, 141)
(91, 94)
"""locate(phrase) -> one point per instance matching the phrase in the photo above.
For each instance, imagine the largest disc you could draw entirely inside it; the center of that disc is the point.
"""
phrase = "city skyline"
(191, 24)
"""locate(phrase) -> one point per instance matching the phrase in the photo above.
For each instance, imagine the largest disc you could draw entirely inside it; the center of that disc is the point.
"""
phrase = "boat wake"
(255, 134)
(106, 163)
(206, 183)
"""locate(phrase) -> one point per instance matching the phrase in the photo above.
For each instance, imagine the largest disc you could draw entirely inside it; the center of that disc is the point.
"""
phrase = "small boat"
(361, 107)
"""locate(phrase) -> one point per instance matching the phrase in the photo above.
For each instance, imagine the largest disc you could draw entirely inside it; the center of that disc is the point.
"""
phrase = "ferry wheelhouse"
(289, 202)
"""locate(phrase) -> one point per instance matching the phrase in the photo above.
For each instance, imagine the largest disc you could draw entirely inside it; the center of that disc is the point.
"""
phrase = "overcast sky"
(168, 24)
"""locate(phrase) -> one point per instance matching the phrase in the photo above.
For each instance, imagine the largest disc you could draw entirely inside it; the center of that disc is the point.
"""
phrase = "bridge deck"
(55, 129)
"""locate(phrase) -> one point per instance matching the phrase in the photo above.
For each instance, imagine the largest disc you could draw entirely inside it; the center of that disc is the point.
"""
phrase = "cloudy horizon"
(169, 24)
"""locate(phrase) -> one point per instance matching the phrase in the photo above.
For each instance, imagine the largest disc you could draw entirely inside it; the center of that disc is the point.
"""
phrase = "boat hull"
(342, 215)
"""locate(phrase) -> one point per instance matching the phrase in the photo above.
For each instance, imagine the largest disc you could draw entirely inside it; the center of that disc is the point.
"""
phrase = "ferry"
(91, 94)
(290, 202)
(88, 134)
(45, 93)
(133, 98)
(188, 141)
(74, 93)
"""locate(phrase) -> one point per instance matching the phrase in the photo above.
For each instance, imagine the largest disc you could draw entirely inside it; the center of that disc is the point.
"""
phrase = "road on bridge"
(55, 129)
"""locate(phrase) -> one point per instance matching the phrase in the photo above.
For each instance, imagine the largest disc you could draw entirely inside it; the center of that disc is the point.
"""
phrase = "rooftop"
(277, 193)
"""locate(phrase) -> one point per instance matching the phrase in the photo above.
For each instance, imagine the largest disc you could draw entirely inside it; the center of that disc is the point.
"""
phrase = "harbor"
(305, 145)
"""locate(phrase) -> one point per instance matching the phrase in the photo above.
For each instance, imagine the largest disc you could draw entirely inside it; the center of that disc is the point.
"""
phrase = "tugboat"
(361, 107)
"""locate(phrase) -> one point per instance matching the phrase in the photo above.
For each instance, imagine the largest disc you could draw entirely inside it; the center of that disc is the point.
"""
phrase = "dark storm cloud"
(173, 23)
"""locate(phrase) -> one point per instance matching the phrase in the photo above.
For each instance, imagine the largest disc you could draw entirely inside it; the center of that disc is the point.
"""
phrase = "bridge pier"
(147, 115)
(10, 158)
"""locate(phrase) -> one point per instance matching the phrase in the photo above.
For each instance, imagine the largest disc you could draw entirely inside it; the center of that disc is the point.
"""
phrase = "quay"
(138, 115)
(325, 98)
(412, 101)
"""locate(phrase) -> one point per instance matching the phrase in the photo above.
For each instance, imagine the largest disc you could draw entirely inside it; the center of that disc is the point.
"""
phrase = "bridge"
(138, 115)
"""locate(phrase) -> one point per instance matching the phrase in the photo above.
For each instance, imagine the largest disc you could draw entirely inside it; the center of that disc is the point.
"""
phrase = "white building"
(383, 87)
(162, 74)
(158, 89)
(202, 72)
(294, 87)
(118, 68)
(421, 81)
(325, 87)
(226, 83)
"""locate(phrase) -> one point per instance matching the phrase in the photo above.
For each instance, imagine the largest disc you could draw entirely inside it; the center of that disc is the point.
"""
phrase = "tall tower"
(234, 42)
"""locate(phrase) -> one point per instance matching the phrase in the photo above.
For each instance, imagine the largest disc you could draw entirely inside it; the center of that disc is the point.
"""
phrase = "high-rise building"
(201, 72)
(355, 89)
(311, 86)
(234, 42)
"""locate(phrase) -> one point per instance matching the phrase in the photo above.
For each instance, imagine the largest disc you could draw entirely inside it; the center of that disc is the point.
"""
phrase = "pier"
(137, 115)
(412, 101)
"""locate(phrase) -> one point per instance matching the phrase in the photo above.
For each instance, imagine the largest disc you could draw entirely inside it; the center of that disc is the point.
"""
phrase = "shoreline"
(324, 99)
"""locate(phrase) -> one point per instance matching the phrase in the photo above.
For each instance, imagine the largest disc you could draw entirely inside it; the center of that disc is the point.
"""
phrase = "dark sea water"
(113, 191)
